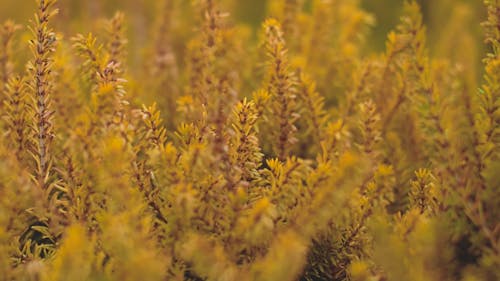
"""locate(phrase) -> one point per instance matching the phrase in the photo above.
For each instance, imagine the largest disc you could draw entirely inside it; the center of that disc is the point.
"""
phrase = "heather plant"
(216, 151)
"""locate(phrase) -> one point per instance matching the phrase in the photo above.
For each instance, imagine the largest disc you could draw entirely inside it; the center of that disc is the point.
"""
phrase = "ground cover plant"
(225, 153)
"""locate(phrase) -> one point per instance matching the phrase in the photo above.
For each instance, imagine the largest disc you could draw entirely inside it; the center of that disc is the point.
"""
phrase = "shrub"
(298, 157)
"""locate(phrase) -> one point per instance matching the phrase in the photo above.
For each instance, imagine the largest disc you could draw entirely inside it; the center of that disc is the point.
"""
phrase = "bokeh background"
(454, 29)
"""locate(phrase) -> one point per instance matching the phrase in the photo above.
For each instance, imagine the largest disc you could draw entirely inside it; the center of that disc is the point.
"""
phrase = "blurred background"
(454, 29)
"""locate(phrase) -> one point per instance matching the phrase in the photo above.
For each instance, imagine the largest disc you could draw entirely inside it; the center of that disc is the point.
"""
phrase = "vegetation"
(292, 153)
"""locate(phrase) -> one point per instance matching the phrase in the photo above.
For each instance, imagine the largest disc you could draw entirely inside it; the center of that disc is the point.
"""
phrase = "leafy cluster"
(296, 157)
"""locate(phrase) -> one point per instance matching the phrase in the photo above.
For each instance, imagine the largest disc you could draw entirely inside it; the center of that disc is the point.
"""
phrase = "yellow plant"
(212, 151)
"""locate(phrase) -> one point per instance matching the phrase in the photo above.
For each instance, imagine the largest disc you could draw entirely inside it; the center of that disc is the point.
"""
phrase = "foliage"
(296, 156)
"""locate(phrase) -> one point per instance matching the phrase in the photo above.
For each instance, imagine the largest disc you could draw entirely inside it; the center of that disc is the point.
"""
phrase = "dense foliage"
(294, 155)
